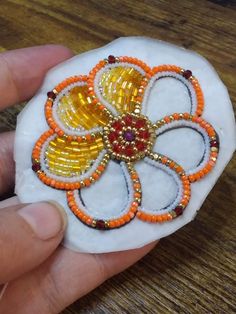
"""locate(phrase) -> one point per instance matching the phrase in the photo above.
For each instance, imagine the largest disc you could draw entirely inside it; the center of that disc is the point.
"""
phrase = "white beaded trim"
(164, 74)
(87, 174)
(178, 182)
(199, 129)
(97, 78)
(125, 210)
(80, 131)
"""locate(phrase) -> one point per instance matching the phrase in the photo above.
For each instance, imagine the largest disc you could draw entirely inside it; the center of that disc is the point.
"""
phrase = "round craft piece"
(129, 138)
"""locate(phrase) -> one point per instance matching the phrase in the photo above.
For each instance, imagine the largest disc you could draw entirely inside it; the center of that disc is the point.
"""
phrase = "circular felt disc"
(108, 196)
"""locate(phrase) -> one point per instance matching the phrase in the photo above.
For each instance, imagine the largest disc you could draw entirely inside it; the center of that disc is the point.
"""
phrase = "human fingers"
(22, 71)
(29, 233)
(7, 166)
(12, 201)
(65, 277)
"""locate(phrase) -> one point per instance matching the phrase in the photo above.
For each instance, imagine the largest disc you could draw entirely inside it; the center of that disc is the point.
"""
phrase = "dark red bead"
(51, 95)
(36, 167)
(100, 224)
(113, 136)
(111, 59)
(144, 134)
(117, 125)
(179, 210)
(214, 143)
(187, 74)
(140, 123)
(141, 146)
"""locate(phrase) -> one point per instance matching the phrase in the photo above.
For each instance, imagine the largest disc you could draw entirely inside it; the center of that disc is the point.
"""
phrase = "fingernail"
(46, 219)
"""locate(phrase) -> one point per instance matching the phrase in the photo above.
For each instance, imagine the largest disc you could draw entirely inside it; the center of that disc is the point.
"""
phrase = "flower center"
(129, 137)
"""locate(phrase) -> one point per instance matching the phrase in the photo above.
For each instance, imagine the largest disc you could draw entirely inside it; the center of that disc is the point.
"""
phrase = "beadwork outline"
(126, 214)
(150, 76)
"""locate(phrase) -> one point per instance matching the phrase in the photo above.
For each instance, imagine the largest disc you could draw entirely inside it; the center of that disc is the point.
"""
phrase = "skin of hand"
(37, 274)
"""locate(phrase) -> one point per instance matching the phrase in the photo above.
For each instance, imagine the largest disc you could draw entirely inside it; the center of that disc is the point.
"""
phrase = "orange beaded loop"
(185, 76)
(106, 224)
(182, 200)
(211, 139)
(99, 117)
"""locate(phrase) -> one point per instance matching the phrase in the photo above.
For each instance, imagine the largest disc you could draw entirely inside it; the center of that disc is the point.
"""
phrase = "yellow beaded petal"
(75, 109)
(71, 158)
(120, 87)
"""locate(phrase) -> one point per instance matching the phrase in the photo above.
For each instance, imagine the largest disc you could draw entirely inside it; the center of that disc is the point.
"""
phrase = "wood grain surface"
(194, 270)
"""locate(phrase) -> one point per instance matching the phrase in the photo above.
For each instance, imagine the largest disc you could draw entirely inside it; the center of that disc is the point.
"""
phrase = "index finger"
(22, 71)
(21, 74)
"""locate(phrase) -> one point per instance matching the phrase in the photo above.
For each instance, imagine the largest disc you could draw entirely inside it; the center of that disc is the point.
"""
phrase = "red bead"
(111, 59)
(128, 120)
(141, 146)
(144, 134)
(51, 95)
(187, 74)
(117, 125)
(36, 167)
(214, 144)
(100, 224)
(179, 210)
(128, 151)
(117, 149)
(113, 136)
(140, 123)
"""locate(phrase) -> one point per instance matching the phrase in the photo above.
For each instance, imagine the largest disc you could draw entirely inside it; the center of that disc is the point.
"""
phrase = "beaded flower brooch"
(101, 117)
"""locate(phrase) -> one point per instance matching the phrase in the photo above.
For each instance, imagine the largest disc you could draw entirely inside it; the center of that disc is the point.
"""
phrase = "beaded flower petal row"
(102, 117)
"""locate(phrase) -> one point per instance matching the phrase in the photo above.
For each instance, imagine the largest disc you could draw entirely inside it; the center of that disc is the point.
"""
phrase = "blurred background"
(194, 270)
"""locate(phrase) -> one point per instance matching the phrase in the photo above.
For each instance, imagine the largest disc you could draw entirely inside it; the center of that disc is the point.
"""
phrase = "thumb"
(29, 233)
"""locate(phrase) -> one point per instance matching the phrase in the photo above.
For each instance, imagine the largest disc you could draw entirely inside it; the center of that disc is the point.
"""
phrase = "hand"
(42, 276)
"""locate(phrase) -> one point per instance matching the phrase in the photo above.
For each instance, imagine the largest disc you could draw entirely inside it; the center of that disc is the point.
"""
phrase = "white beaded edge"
(178, 182)
(124, 211)
(165, 74)
(199, 129)
(98, 77)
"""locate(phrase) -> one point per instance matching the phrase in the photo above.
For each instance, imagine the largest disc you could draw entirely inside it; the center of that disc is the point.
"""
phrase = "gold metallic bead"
(173, 214)
(82, 184)
(168, 162)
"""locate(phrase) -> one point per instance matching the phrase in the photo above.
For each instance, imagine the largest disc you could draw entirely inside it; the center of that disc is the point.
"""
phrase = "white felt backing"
(185, 147)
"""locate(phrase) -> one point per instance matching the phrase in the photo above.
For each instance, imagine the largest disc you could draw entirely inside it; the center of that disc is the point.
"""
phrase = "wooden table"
(192, 271)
